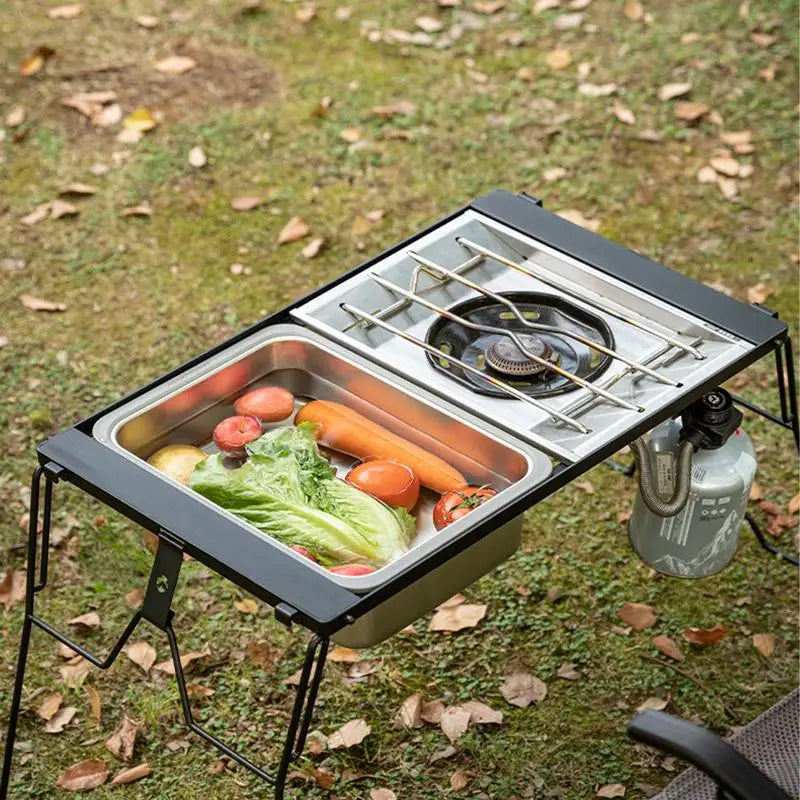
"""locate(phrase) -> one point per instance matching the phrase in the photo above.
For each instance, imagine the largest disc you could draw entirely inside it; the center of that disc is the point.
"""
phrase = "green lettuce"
(286, 489)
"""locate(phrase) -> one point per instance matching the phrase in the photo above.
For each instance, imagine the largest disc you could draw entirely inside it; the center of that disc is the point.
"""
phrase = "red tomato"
(233, 433)
(454, 505)
(226, 381)
(351, 569)
(269, 404)
(389, 481)
(302, 551)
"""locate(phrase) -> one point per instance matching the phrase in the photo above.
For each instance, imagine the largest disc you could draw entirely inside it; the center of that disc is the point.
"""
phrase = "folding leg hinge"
(285, 614)
(54, 471)
(163, 580)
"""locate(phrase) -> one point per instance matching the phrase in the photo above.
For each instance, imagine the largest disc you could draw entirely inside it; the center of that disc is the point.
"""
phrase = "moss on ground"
(146, 293)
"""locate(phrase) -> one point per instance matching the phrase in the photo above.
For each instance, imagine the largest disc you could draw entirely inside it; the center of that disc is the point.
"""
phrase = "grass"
(145, 294)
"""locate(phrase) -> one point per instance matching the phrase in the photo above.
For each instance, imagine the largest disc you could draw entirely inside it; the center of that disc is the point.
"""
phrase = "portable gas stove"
(519, 347)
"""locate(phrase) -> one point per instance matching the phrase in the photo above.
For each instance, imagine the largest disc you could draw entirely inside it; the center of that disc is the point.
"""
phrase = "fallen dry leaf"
(764, 643)
(638, 615)
(123, 741)
(344, 655)
(409, 714)
(89, 621)
(431, 712)
(305, 14)
(68, 11)
(293, 679)
(74, 673)
(567, 22)
(61, 208)
(793, 505)
(763, 39)
(488, 6)
(79, 189)
(134, 598)
(429, 24)
(60, 719)
(36, 60)
(143, 654)
(399, 107)
(584, 486)
(382, 794)
(16, 116)
(670, 91)
(50, 706)
(132, 774)
(141, 120)
(568, 672)
(558, 59)
(313, 248)
(263, 654)
(247, 606)
(83, 776)
(187, 661)
(690, 112)
(175, 65)
(481, 714)
(147, 21)
(445, 752)
(577, 218)
(451, 602)
(197, 691)
(454, 722)
(623, 114)
(349, 735)
(540, 6)
(246, 202)
(37, 304)
(12, 587)
(706, 174)
(611, 790)
(351, 135)
(725, 166)
(668, 647)
(554, 174)
(728, 187)
(466, 615)
(142, 210)
(37, 215)
(93, 696)
(704, 636)
(756, 494)
(653, 704)
(633, 10)
(521, 689)
(296, 228)
(197, 158)
(597, 90)
(759, 293)
(458, 781)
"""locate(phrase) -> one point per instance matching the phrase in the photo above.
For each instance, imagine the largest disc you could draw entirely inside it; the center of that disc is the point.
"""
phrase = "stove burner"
(496, 354)
(504, 356)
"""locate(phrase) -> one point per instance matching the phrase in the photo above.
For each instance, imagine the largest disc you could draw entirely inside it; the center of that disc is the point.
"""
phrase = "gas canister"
(701, 537)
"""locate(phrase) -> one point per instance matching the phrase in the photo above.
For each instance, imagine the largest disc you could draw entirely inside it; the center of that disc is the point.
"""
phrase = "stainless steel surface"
(488, 378)
(647, 331)
(442, 312)
(535, 326)
(186, 409)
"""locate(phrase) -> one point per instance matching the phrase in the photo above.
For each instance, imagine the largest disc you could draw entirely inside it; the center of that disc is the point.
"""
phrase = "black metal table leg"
(156, 609)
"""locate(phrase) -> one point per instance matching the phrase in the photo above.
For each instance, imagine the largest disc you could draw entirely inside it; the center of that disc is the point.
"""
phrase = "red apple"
(233, 433)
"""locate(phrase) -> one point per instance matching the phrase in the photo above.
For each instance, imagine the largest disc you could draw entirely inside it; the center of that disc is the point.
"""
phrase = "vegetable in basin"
(286, 489)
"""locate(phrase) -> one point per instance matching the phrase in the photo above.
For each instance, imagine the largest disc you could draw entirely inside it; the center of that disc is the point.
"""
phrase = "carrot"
(349, 432)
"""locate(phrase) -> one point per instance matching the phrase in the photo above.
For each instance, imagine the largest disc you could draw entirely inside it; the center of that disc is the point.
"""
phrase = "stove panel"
(388, 321)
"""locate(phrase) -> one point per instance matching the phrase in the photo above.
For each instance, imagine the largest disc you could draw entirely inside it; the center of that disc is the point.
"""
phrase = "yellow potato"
(177, 461)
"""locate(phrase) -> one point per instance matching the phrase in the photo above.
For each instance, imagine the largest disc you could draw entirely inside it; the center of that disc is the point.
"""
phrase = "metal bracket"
(285, 614)
(157, 604)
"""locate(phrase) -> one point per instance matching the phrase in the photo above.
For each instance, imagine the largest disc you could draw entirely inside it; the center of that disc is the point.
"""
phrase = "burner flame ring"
(505, 357)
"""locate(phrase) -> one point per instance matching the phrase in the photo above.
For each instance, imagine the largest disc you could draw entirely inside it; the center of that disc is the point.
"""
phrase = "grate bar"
(514, 338)
(430, 266)
(596, 302)
(366, 317)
